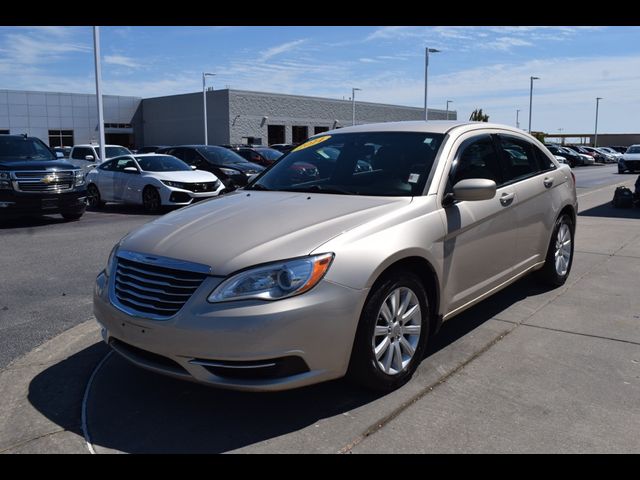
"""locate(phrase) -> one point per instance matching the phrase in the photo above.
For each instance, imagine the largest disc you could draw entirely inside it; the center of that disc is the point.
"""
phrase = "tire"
(94, 200)
(72, 216)
(365, 368)
(555, 273)
(151, 199)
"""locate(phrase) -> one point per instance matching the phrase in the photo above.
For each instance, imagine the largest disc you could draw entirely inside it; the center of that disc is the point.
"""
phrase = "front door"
(480, 235)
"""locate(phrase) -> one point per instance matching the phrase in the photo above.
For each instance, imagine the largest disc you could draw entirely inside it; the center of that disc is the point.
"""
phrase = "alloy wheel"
(397, 331)
(563, 249)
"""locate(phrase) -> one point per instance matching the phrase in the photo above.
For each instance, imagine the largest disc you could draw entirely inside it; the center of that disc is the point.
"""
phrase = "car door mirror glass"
(193, 167)
(474, 189)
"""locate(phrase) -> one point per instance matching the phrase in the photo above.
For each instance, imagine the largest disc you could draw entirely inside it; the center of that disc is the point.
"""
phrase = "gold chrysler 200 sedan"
(341, 259)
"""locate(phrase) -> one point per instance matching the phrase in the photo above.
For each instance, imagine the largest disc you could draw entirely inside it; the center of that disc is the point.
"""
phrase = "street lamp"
(426, 78)
(517, 116)
(448, 102)
(96, 55)
(204, 101)
(531, 99)
(353, 102)
(595, 140)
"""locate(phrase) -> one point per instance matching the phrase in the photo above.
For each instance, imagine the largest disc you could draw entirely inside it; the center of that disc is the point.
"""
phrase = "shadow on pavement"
(608, 210)
(136, 411)
(31, 222)
(120, 208)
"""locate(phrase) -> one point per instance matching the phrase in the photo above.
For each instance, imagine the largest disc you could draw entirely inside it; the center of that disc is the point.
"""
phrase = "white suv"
(87, 156)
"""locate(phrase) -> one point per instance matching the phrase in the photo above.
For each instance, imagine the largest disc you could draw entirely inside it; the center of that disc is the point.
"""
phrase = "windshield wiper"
(257, 186)
(321, 189)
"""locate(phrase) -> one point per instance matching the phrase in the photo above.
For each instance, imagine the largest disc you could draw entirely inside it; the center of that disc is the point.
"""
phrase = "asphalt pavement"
(528, 370)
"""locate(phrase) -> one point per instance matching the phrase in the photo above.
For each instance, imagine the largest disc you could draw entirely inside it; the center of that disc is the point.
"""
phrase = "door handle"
(507, 198)
(548, 182)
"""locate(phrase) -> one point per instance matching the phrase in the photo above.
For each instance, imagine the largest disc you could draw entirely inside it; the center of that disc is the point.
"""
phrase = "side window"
(519, 157)
(123, 162)
(543, 160)
(80, 153)
(177, 152)
(108, 166)
(476, 158)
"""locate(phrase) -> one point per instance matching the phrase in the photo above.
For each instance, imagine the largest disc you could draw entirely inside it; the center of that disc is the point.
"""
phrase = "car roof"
(96, 146)
(431, 126)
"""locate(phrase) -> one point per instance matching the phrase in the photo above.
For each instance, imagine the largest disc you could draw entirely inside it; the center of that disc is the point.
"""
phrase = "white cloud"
(278, 49)
(122, 61)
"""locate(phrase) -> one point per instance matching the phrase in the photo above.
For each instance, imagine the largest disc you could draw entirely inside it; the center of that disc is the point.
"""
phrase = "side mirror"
(193, 167)
(474, 189)
(59, 155)
(90, 158)
(131, 170)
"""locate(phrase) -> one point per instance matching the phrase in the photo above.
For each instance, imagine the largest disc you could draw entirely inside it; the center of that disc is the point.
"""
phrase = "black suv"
(33, 181)
(232, 170)
(264, 156)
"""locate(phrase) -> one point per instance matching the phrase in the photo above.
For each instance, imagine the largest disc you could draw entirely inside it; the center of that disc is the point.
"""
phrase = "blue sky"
(479, 67)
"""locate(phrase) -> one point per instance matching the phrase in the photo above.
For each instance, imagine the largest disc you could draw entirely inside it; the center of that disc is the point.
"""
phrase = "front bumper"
(316, 329)
(18, 203)
(179, 196)
(630, 165)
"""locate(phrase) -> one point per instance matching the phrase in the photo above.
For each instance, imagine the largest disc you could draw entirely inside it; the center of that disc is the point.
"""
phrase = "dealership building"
(233, 116)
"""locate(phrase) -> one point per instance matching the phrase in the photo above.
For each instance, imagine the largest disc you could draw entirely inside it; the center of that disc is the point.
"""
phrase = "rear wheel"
(151, 199)
(392, 333)
(560, 253)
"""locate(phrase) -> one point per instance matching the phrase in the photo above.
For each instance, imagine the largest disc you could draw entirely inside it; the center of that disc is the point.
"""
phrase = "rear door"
(480, 237)
(533, 176)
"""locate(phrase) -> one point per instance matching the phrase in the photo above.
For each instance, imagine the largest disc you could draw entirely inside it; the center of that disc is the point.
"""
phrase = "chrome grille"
(43, 181)
(153, 290)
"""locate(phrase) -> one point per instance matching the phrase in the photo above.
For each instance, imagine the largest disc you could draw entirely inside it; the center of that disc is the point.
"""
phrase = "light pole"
(595, 139)
(517, 118)
(96, 55)
(353, 102)
(204, 101)
(531, 99)
(448, 102)
(427, 51)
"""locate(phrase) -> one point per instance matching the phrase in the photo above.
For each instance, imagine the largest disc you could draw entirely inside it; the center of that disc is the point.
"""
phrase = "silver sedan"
(349, 271)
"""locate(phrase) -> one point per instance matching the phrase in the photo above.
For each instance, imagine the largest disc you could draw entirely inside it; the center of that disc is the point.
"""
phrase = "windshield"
(269, 153)
(370, 163)
(21, 148)
(634, 149)
(115, 151)
(221, 155)
(162, 163)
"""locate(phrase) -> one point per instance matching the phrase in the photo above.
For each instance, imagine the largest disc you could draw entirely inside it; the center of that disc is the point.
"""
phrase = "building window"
(275, 134)
(252, 140)
(4, 132)
(317, 130)
(117, 125)
(299, 133)
(61, 138)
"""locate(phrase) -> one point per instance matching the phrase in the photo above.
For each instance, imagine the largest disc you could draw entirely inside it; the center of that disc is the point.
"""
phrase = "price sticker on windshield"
(311, 143)
(414, 177)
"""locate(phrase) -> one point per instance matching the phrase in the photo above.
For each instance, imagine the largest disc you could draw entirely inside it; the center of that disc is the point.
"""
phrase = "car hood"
(245, 228)
(191, 176)
(631, 156)
(244, 167)
(35, 165)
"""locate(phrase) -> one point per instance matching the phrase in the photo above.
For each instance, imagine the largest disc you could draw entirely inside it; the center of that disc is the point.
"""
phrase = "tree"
(478, 116)
(539, 135)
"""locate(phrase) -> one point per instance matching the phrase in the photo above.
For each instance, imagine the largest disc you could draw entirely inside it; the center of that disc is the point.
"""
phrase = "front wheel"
(392, 333)
(72, 216)
(559, 254)
(151, 200)
(93, 196)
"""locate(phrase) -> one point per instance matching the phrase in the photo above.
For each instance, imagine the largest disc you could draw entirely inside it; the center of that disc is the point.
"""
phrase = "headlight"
(174, 184)
(5, 181)
(111, 260)
(229, 171)
(79, 178)
(274, 281)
